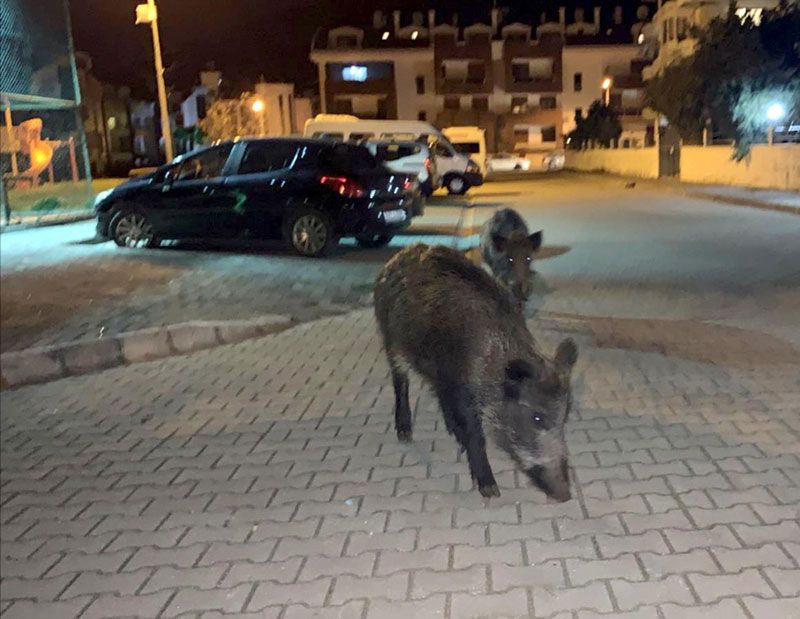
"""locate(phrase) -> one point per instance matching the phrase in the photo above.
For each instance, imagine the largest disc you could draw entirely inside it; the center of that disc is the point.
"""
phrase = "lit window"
(354, 73)
(385, 36)
(414, 35)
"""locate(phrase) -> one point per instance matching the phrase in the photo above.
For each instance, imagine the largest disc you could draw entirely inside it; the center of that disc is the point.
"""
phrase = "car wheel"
(131, 228)
(310, 232)
(518, 166)
(372, 241)
(457, 185)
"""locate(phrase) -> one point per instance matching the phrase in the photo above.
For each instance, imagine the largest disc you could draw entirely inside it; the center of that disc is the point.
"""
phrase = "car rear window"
(262, 157)
(346, 158)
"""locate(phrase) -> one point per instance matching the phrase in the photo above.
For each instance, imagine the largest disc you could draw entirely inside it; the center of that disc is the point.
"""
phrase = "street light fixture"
(148, 14)
(775, 112)
(606, 86)
(258, 108)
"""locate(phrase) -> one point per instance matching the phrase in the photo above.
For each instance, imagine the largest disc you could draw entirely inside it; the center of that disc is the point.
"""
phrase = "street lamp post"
(775, 112)
(148, 14)
(606, 85)
(258, 108)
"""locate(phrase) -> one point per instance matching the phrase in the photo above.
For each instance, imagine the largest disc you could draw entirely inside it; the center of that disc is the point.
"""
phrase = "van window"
(393, 152)
(346, 159)
(322, 135)
(440, 150)
(357, 137)
(399, 136)
(467, 148)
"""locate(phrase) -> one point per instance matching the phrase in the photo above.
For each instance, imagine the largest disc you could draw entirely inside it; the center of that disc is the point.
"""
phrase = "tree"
(601, 125)
(228, 118)
(738, 66)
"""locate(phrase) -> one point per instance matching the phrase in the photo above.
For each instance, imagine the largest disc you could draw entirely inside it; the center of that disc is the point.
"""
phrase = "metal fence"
(43, 151)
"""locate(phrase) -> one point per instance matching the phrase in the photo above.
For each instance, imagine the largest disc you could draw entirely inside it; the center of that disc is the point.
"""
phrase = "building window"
(521, 72)
(480, 104)
(519, 105)
(354, 73)
(664, 32)
(343, 105)
(346, 41)
(683, 28)
(476, 73)
(521, 135)
(452, 103)
(577, 82)
(548, 134)
(547, 103)
(420, 82)
(422, 116)
(578, 113)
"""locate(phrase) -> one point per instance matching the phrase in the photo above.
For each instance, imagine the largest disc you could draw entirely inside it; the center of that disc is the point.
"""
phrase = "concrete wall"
(641, 162)
(772, 167)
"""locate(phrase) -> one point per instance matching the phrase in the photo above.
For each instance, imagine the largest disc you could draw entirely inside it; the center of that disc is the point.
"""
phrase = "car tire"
(518, 166)
(310, 232)
(373, 241)
(457, 185)
(130, 227)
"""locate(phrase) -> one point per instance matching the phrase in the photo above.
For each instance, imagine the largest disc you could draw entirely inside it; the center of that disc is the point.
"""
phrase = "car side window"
(440, 151)
(208, 164)
(260, 157)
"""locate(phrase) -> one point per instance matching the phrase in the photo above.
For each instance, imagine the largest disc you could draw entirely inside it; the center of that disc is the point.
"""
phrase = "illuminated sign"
(354, 73)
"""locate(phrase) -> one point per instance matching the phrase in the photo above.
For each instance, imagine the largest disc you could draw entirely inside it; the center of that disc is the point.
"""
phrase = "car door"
(264, 182)
(193, 201)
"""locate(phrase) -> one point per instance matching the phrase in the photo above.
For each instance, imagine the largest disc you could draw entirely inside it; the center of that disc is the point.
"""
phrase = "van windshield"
(442, 141)
(467, 148)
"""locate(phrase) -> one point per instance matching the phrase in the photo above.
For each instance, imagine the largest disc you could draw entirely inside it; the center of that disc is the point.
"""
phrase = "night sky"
(246, 38)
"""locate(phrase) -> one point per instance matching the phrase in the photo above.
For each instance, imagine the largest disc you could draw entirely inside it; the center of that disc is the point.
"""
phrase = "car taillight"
(428, 164)
(344, 186)
(408, 184)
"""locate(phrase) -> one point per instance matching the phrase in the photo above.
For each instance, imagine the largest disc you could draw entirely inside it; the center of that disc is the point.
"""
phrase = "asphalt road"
(608, 251)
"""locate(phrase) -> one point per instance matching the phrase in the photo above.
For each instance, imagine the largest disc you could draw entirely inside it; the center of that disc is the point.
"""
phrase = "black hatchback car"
(308, 192)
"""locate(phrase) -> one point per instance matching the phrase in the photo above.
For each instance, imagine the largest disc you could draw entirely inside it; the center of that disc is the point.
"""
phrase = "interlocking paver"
(724, 609)
(220, 495)
(110, 606)
(785, 608)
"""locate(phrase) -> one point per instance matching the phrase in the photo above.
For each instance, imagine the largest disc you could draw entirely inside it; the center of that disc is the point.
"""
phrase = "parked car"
(407, 158)
(458, 171)
(506, 162)
(308, 192)
(554, 160)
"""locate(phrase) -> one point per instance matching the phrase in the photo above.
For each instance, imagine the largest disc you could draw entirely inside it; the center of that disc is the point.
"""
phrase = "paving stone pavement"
(264, 479)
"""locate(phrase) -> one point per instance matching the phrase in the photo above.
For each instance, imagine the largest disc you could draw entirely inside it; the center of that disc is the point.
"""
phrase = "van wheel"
(310, 232)
(373, 241)
(457, 185)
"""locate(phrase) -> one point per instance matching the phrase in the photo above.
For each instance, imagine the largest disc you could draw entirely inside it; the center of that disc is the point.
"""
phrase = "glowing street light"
(385, 35)
(258, 107)
(776, 111)
(606, 86)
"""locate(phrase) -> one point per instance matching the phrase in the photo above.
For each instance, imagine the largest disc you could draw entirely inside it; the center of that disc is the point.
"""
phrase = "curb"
(41, 223)
(45, 363)
(767, 206)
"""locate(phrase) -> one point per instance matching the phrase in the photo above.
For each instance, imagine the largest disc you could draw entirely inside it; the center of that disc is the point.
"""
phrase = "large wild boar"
(453, 323)
(507, 249)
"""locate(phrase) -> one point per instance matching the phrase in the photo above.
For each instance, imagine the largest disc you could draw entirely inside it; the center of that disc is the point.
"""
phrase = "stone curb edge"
(46, 363)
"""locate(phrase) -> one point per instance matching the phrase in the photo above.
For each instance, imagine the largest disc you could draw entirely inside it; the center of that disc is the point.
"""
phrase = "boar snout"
(552, 479)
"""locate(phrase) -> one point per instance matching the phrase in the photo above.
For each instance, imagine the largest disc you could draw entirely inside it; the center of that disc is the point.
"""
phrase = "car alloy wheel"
(309, 234)
(133, 230)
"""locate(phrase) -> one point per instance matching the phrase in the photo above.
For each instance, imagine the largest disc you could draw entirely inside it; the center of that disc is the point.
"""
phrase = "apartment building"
(515, 80)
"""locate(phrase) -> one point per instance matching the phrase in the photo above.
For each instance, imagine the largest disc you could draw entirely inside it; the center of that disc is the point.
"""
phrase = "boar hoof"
(489, 491)
(404, 436)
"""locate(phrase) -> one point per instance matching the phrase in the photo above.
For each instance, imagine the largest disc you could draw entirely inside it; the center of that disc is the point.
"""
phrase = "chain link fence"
(43, 149)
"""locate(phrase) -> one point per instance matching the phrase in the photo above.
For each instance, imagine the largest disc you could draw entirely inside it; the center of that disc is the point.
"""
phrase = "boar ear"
(566, 356)
(536, 240)
(516, 371)
(499, 242)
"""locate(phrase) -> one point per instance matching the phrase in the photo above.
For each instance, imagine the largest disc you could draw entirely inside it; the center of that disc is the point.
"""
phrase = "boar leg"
(458, 403)
(402, 410)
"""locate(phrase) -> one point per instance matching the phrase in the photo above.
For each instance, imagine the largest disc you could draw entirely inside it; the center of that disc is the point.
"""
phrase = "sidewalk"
(788, 201)
(264, 479)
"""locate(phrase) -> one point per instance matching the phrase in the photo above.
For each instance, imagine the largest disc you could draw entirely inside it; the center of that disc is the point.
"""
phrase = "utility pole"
(148, 14)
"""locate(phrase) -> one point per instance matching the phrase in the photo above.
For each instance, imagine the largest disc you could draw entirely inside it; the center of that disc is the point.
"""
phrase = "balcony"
(533, 84)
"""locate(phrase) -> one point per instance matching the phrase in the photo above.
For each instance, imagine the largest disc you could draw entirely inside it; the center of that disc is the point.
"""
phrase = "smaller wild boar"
(507, 249)
(449, 320)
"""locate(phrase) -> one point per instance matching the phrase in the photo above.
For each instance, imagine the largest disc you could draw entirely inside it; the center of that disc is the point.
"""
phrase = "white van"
(458, 172)
(406, 157)
(469, 141)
